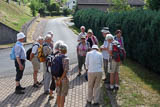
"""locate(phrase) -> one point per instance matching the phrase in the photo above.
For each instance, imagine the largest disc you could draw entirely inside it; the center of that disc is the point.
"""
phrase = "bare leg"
(62, 101)
(59, 101)
(35, 76)
(117, 78)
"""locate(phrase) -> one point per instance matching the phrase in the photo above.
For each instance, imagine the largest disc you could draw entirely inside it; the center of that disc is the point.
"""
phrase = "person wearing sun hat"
(20, 54)
(104, 48)
(82, 48)
(91, 38)
(94, 62)
(62, 81)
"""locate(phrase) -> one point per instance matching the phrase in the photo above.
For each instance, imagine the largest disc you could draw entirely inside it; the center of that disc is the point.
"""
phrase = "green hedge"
(141, 32)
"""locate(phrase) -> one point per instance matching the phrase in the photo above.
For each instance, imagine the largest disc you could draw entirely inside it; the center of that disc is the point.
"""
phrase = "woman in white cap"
(20, 54)
(94, 62)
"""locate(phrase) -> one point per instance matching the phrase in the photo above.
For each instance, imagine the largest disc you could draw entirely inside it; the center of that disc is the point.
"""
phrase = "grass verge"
(14, 15)
(75, 29)
(138, 86)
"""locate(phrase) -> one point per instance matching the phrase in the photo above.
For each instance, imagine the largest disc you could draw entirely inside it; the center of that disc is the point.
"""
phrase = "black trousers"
(53, 84)
(19, 73)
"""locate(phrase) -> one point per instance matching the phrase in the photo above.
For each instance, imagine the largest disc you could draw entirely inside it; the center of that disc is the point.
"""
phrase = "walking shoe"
(39, 83)
(79, 75)
(35, 86)
(19, 92)
(50, 97)
(110, 89)
(89, 103)
(96, 104)
(116, 88)
(22, 88)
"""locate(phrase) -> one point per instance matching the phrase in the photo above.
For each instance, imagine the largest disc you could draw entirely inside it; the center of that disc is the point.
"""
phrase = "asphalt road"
(61, 32)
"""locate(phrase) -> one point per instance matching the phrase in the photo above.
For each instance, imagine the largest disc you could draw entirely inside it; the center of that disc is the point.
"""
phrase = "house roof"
(90, 2)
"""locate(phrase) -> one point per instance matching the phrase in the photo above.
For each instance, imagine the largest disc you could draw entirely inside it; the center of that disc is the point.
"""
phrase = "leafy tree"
(153, 4)
(119, 5)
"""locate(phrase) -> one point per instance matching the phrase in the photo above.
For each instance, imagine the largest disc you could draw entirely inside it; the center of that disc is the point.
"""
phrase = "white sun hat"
(20, 36)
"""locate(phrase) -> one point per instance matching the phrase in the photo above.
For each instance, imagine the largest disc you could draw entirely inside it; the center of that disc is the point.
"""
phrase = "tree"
(153, 4)
(119, 5)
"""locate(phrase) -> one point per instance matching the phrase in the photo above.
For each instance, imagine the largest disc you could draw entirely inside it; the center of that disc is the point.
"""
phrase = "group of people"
(94, 59)
(56, 63)
(41, 52)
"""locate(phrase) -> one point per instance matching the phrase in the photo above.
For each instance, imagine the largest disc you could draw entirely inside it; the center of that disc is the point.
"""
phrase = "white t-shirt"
(35, 48)
(104, 52)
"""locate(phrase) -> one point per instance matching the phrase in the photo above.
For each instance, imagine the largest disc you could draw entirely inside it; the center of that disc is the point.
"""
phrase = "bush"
(54, 7)
(140, 31)
(66, 11)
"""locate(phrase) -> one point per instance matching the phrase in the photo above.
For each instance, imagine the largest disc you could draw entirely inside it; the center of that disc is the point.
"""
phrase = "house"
(71, 4)
(104, 4)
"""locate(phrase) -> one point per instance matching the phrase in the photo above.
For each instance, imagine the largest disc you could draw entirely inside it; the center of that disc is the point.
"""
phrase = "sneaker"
(79, 75)
(50, 97)
(116, 88)
(35, 86)
(110, 89)
(22, 88)
(39, 83)
(96, 104)
(19, 92)
(89, 103)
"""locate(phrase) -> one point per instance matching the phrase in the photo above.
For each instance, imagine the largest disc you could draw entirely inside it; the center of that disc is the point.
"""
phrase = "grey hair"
(63, 47)
(50, 32)
(58, 44)
(109, 36)
(39, 38)
(48, 36)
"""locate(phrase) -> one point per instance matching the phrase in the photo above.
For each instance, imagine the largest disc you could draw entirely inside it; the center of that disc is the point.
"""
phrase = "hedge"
(141, 32)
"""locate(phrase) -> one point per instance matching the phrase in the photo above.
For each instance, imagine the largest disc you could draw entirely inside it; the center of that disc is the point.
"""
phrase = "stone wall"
(7, 34)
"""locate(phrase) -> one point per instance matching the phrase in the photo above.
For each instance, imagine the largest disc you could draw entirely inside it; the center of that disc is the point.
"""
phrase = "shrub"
(140, 31)
(66, 11)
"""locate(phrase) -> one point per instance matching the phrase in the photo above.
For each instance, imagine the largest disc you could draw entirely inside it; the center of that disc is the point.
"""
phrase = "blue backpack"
(57, 66)
(12, 54)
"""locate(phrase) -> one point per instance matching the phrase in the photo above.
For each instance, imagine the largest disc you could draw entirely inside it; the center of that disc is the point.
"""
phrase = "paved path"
(35, 98)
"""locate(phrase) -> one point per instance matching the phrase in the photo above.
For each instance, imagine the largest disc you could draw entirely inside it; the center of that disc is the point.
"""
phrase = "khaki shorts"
(35, 63)
(62, 90)
(113, 66)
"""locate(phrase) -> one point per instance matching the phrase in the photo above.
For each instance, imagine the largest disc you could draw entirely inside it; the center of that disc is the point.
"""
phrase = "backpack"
(57, 66)
(12, 54)
(118, 53)
(41, 56)
(28, 53)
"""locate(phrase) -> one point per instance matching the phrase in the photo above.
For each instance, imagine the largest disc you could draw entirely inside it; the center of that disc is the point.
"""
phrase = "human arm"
(17, 54)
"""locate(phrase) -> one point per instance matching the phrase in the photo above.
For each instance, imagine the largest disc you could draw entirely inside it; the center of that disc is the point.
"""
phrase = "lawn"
(138, 86)
(14, 15)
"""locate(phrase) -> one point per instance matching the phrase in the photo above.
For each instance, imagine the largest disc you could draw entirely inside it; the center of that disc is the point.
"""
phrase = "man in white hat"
(20, 54)
(94, 62)
(35, 61)
(104, 48)
(83, 33)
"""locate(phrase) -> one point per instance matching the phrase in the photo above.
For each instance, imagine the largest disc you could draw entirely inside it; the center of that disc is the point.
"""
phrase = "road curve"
(61, 32)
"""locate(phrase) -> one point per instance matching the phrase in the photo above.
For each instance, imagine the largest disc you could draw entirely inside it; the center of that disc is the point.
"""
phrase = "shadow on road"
(14, 100)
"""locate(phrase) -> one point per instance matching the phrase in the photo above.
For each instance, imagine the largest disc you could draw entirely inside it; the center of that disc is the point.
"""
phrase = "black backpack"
(28, 53)
(57, 66)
